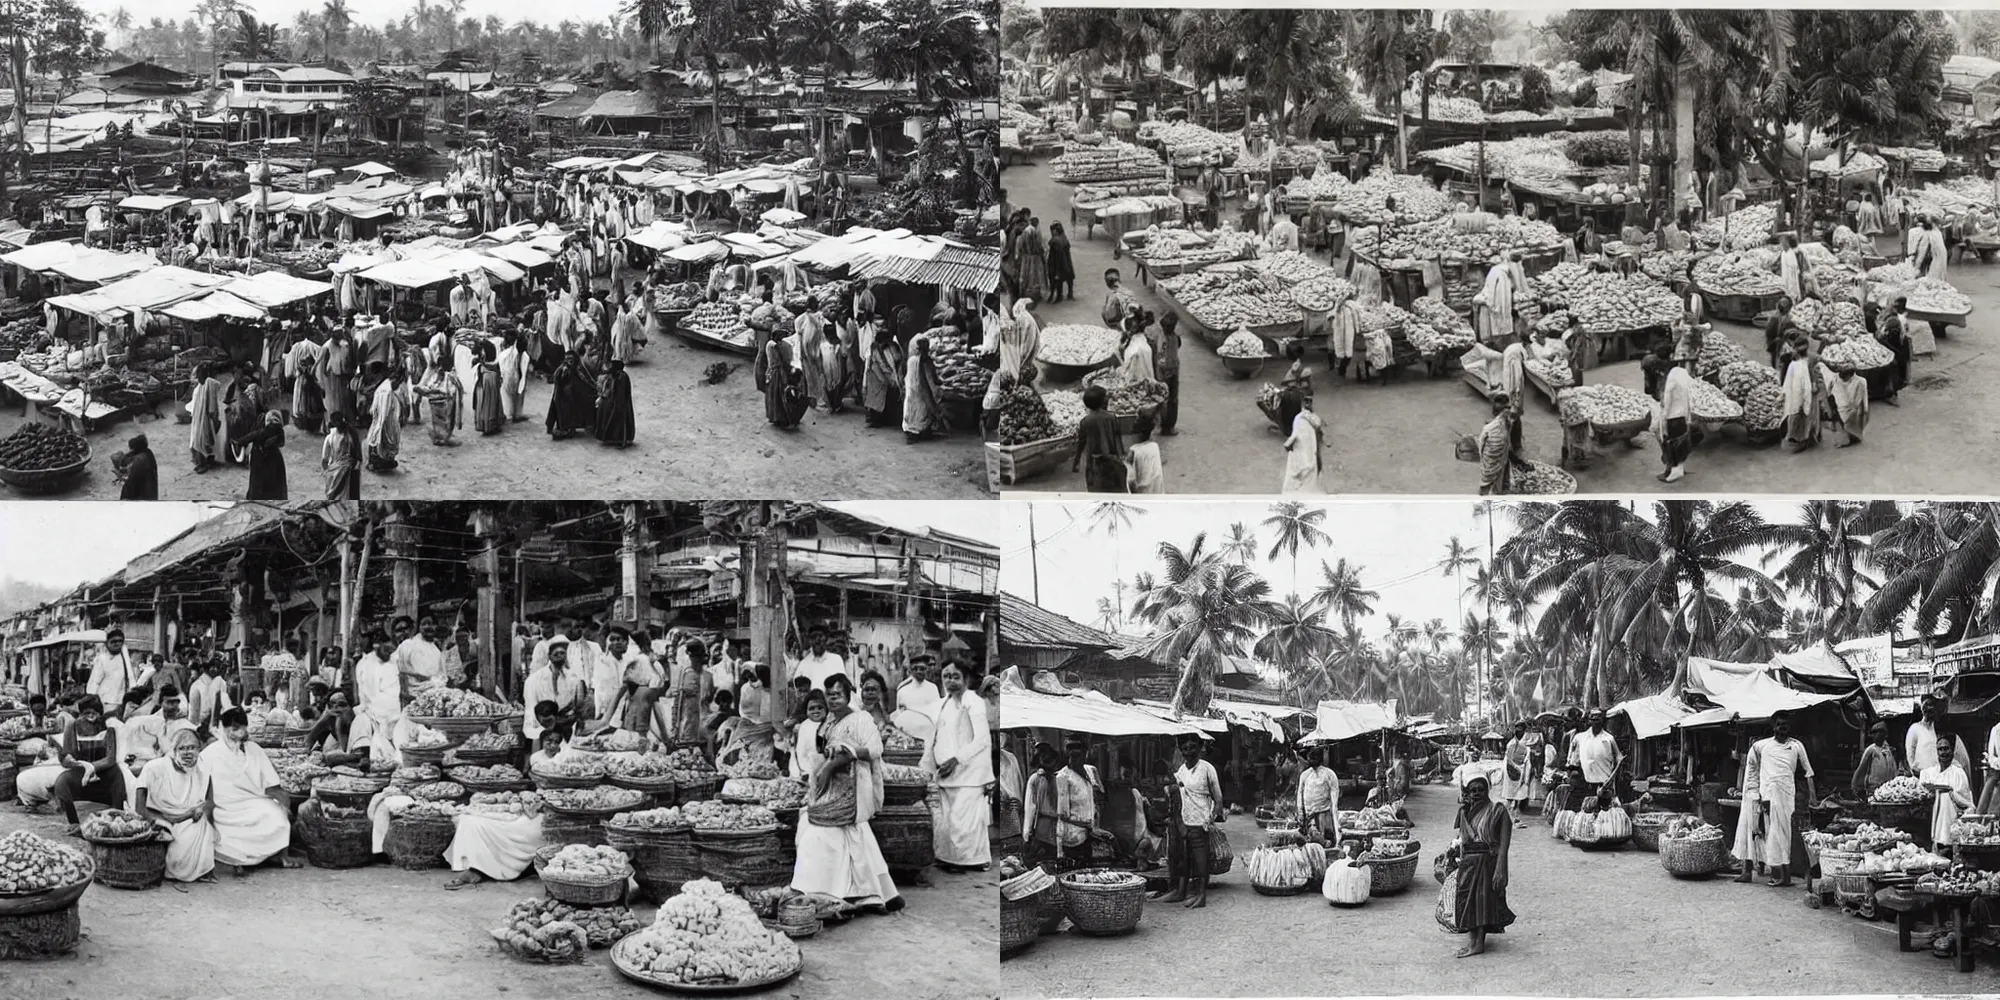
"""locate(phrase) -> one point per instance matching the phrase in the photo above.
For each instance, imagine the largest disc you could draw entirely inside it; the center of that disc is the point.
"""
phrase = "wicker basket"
(741, 857)
(44, 933)
(350, 799)
(559, 829)
(339, 842)
(1832, 863)
(1104, 909)
(662, 860)
(548, 781)
(485, 758)
(1692, 857)
(130, 862)
(604, 891)
(661, 786)
(1278, 890)
(905, 836)
(1851, 890)
(903, 794)
(479, 785)
(1020, 921)
(697, 791)
(908, 758)
(1646, 829)
(417, 756)
(416, 842)
(1388, 876)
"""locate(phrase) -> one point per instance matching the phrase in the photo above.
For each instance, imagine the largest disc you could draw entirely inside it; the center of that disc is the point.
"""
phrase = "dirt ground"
(694, 439)
(1590, 924)
(390, 934)
(1397, 438)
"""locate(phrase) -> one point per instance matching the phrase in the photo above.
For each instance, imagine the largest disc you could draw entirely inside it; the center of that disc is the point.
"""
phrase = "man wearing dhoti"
(1748, 847)
(1319, 799)
(252, 818)
(960, 753)
(1779, 761)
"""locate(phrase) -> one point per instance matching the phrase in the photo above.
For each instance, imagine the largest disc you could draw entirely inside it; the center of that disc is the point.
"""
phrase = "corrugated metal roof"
(623, 104)
(953, 265)
(1026, 624)
(573, 106)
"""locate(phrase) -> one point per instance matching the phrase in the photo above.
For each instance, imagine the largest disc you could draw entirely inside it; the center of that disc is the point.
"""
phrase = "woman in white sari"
(961, 755)
(252, 822)
(175, 791)
(838, 854)
(1302, 459)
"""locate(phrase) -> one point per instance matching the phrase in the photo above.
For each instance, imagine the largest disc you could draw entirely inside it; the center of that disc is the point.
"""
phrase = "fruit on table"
(1978, 832)
(1857, 355)
(416, 775)
(1443, 238)
(1900, 791)
(1366, 202)
(1124, 396)
(1322, 294)
(904, 774)
(1764, 406)
(424, 738)
(1603, 405)
(1290, 267)
(1227, 312)
(115, 824)
(754, 767)
(454, 703)
(1188, 144)
(21, 727)
(1711, 403)
(345, 783)
(1152, 237)
(37, 446)
(1243, 344)
(528, 932)
(1387, 848)
(597, 799)
(1077, 344)
(1735, 274)
(1111, 161)
(298, 776)
(706, 936)
(1024, 417)
(1738, 378)
(1431, 342)
(1247, 278)
(1861, 840)
(30, 863)
(708, 814)
(1383, 316)
(1323, 185)
(1608, 302)
(506, 803)
(1831, 321)
(573, 766)
(680, 297)
(1934, 295)
(1902, 858)
(1747, 227)
(775, 793)
(689, 759)
(614, 741)
(1555, 374)
(1958, 880)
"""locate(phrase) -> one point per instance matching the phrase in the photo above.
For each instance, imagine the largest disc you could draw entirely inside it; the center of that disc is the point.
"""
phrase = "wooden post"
(160, 625)
(992, 623)
(495, 623)
(401, 537)
(634, 564)
(764, 578)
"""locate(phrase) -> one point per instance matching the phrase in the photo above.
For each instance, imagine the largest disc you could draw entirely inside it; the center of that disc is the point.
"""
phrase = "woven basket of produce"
(42, 458)
(741, 857)
(337, 837)
(42, 923)
(906, 757)
(458, 728)
(560, 828)
(1850, 889)
(697, 790)
(660, 786)
(416, 756)
(903, 793)
(418, 840)
(1646, 829)
(485, 757)
(1021, 904)
(663, 858)
(904, 833)
(583, 875)
(1388, 876)
(351, 792)
(547, 782)
(1832, 863)
(484, 782)
(1692, 857)
(1103, 901)
(134, 862)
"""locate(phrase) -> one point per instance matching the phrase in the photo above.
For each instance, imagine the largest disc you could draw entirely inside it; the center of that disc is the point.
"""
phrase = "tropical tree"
(1457, 559)
(1298, 527)
(1824, 560)
(1298, 63)
(819, 33)
(1941, 567)
(67, 43)
(1241, 545)
(1341, 595)
(707, 33)
(1296, 642)
(1112, 517)
(334, 23)
(1211, 612)
(945, 47)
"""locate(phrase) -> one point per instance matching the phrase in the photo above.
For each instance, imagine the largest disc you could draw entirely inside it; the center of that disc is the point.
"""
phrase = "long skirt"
(192, 852)
(1480, 904)
(487, 415)
(958, 830)
(1778, 830)
(842, 861)
(1747, 848)
(496, 847)
(250, 831)
(1802, 429)
(1855, 425)
(308, 405)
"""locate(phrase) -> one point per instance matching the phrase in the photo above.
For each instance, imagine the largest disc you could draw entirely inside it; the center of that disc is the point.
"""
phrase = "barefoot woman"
(1485, 832)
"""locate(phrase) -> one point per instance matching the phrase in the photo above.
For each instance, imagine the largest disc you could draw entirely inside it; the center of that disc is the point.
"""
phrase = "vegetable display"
(1106, 163)
(602, 925)
(1602, 404)
(506, 803)
(1859, 355)
(957, 367)
(1324, 185)
(1290, 267)
(1442, 239)
(1383, 316)
(491, 742)
(1863, 839)
(1066, 410)
(1901, 790)
(568, 767)
(1286, 867)
(706, 936)
(601, 798)
(1540, 478)
(444, 810)
(1831, 321)
(1746, 228)
(755, 767)
(1103, 876)
(534, 934)
(38, 447)
(1555, 374)
(720, 321)
(438, 791)
(1077, 344)
(1935, 295)
(1735, 274)
(668, 818)
(30, 864)
(1366, 201)
(454, 703)
(614, 741)
(424, 738)
(1227, 312)
(1718, 352)
(1125, 396)
(1436, 329)
(21, 727)
(416, 775)
(1739, 378)
(1024, 417)
(774, 793)
(1243, 344)
(708, 814)
(583, 862)
(1322, 294)
(1902, 858)
(1764, 407)
(1607, 303)
(115, 824)
(1712, 404)
(646, 765)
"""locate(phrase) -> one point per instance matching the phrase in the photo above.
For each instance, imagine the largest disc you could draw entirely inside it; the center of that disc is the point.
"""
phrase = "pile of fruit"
(1691, 826)
(1106, 163)
(337, 782)
(1323, 185)
(705, 936)
(37, 447)
(1405, 246)
(1077, 344)
(1188, 144)
(669, 818)
(1858, 355)
(1975, 832)
(1901, 790)
(602, 925)
(1066, 410)
(1902, 858)
(614, 741)
(423, 809)
(720, 321)
(491, 742)
(1103, 876)
(1387, 847)
(533, 933)
(1748, 227)
(688, 762)
(774, 793)
(22, 727)
(681, 297)
(1764, 407)
(602, 798)
(568, 767)
(1711, 404)
(586, 863)
(896, 739)
(1666, 266)
(1716, 352)
(424, 738)
(1383, 316)
(1366, 202)
(1154, 238)
(1959, 880)
(1935, 295)
(306, 260)
(438, 791)
(957, 366)
(1831, 321)
(1322, 294)
(1286, 867)
(1227, 312)
(1861, 840)
(1024, 417)
(1608, 302)
(905, 774)
(298, 776)
(416, 775)
(454, 703)
(1289, 267)
(1249, 278)
(1434, 329)
(1601, 404)
(506, 803)
(1740, 378)
(1538, 478)
(1243, 344)
(760, 768)
(646, 765)
(115, 824)
(30, 864)
(1554, 374)
(708, 814)
(1735, 274)
(1125, 396)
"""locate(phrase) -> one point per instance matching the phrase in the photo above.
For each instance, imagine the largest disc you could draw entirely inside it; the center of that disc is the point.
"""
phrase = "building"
(150, 78)
(228, 73)
(288, 87)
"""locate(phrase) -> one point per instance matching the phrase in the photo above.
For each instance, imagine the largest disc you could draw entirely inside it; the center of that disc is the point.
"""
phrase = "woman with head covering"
(516, 361)
(251, 817)
(266, 450)
(1302, 453)
(882, 380)
(385, 430)
(572, 399)
(488, 414)
(785, 400)
(837, 851)
(446, 396)
(308, 403)
(205, 443)
(1485, 833)
(615, 421)
(922, 416)
(339, 460)
(960, 753)
(175, 791)
(1807, 383)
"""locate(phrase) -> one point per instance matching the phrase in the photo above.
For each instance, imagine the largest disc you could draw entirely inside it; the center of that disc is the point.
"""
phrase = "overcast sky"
(374, 12)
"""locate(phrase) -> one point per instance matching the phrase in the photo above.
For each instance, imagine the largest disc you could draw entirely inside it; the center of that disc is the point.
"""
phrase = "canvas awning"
(1758, 696)
(276, 288)
(697, 252)
(214, 305)
(152, 202)
(1344, 720)
(43, 256)
(1024, 709)
(659, 236)
(580, 163)
(783, 217)
(148, 290)
(89, 635)
(357, 209)
(518, 253)
(372, 169)
(1653, 715)
(102, 265)
(467, 261)
(409, 274)
(1819, 663)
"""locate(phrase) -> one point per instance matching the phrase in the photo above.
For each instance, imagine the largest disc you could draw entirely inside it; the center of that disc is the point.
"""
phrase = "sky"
(375, 12)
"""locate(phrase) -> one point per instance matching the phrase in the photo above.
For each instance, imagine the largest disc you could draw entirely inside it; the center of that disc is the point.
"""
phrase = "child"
(1143, 459)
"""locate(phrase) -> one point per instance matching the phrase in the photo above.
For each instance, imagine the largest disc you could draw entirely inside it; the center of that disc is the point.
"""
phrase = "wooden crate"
(1011, 465)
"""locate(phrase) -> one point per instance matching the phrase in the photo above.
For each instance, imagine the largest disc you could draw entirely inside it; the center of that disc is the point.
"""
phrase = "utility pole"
(1034, 556)
(764, 583)
(493, 624)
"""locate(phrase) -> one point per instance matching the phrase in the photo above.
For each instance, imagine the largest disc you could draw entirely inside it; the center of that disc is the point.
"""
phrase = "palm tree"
(121, 22)
(1297, 64)
(1207, 44)
(818, 33)
(1457, 559)
(703, 32)
(1296, 643)
(1341, 595)
(1828, 548)
(1241, 545)
(334, 23)
(1213, 614)
(1112, 517)
(1144, 590)
(939, 45)
(1181, 569)
(1298, 526)
(1107, 616)
(1942, 565)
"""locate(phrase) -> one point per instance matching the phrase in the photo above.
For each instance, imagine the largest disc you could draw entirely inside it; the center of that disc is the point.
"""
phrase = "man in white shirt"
(148, 736)
(608, 671)
(1779, 761)
(378, 700)
(555, 683)
(819, 664)
(421, 658)
(208, 696)
(114, 670)
(1920, 743)
(1596, 751)
(1677, 408)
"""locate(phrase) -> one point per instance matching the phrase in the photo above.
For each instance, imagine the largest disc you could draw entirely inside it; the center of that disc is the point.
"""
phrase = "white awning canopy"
(152, 202)
(214, 305)
(409, 274)
(271, 289)
(373, 169)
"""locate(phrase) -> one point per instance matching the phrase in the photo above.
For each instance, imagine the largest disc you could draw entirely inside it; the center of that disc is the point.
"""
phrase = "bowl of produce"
(1069, 351)
(37, 865)
(42, 459)
(1243, 354)
(706, 940)
(1902, 790)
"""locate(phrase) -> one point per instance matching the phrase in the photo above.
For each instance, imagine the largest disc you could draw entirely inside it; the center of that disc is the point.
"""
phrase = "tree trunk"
(18, 65)
(1684, 88)
(1632, 106)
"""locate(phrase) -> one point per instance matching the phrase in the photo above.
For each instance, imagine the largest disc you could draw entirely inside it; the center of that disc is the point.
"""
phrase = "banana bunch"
(1740, 378)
